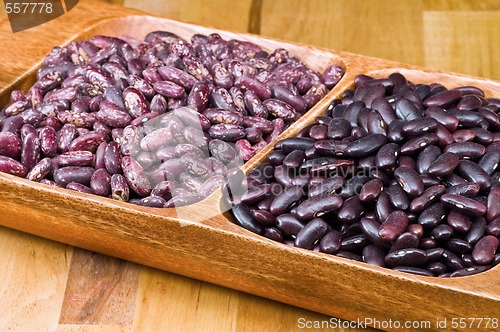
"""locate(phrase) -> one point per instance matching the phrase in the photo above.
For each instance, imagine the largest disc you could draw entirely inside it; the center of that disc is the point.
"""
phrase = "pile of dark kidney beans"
(156, 122)
(395, 174)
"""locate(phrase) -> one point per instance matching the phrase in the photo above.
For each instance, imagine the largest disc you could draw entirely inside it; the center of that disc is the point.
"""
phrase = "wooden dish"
(216, 250)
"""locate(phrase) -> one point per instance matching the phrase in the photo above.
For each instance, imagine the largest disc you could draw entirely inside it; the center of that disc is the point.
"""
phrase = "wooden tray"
(216, 250)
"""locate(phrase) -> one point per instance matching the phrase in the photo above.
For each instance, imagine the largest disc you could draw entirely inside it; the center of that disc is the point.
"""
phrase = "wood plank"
(356, 26)
(463, 5)
(33, 274)
(235, 14)
(463, 42)
(100, 290)
(92, 328)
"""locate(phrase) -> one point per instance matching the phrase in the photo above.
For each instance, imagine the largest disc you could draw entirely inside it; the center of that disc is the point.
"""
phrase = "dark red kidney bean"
(318, 132)
(75, 158)
(10, 145)
(429, 196)
(276, 157)
(288, 224)
(458, 246)
(353, 186)
(266, 218)
(490, 161)
(449, 121)
(40, 170)
(312, 232)
(30, 154)
(452, 261)
(371, 191)
(470, 90)
(384, 108)
(349, 255)
(370, 229)
(273, 234)
(419, 126)
(383, 207)
(484, 250)
(294, 159)
(483, 136)
(244, 218)
(282, 175)
(443, 99)
(436, 268)
(459, 223)
(413, 270)
(416, 229)
(387, 156)
(324, 120)
(351, 210)
(395, 131)
(410, 181)
(112, 158)
(354, 243)
(290, 144)
(373, 92)
(119, 188)
(442, 232)
(326, 187)
(406, 257)
(491, 117)
(493, 205)
(434, 254)
(100, 182)
(477, 230)
(366, 145)
(192, 118)
(64, 175)
(467, 118)
(374, 255)
(432, 216)
(282, 202)
(418, 143)
(473, 173)
(405, 240)
(88, 142)
(464, 135)
(332, 147)
(427, 243)
(398, 197)
(339, 128)
(493, 227)
(330, 243)
(444, 164)
(463, 204)
(376, 124)
(406, 110)
(426, 158)
(135, 176)
(453, 180)
(469, 271)
(395, 224)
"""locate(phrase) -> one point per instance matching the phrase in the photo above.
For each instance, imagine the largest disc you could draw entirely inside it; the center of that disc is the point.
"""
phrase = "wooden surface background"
(49, 286)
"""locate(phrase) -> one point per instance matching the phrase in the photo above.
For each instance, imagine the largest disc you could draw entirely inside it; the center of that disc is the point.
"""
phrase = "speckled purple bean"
(40, 170)
(120, 190)
(135, 176)
(10, 145)
(64, 175)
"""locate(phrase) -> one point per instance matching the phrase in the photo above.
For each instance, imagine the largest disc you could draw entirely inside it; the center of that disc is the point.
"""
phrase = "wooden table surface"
(47, 286)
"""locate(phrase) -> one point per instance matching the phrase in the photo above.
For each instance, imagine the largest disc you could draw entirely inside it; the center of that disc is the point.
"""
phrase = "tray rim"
(338, 90)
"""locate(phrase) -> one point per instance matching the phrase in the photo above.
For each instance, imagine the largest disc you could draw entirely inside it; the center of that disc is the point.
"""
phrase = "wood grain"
(40, 275)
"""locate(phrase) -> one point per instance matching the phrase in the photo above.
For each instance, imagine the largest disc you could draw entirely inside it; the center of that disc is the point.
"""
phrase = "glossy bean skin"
(493, 210)
(395, 224)
(410, 181)
(135, 176)
(474, 173)
(100, 183)
(310, 233)
(63, 176)
(444, 164)
(464, 204)
(10, 145)
(286, 199)
(485, 249)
